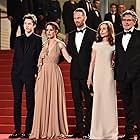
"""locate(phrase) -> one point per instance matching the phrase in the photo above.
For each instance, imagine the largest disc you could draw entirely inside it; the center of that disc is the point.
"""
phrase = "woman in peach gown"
(104, 123)
(50, 117)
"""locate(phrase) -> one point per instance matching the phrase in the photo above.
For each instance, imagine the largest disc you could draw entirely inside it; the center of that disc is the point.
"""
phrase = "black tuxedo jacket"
(127, 65)
(117, 24)
(81, 60)
(26, 58)
(94, 20)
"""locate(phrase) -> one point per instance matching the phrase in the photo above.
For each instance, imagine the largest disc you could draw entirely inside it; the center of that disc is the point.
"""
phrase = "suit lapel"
(74, 44)
(121, 45)
(131, 41)
(84, 38)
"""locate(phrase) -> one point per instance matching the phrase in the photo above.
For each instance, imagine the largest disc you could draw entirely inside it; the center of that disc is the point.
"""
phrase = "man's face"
(128, 22)
(121, 8)
(79, 19)
(97, 4)
(28, 25)
(113, 8)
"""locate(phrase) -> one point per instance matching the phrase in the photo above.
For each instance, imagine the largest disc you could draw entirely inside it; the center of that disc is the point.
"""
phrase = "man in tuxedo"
(16, 9)
(24, 70)
(94, 17)
(127, 72)
(79, 47)
(114, 17)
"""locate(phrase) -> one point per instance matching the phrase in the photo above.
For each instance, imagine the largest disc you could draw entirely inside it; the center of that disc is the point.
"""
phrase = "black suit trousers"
(18, 82)
(83, 116)
(130, 91)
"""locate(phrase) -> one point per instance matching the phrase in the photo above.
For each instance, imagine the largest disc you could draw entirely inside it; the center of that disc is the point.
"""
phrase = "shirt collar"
(83, 28)
(131, 30)
(28, 34)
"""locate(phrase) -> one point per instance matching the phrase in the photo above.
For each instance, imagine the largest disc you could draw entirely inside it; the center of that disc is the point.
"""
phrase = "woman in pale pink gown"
(50, 117)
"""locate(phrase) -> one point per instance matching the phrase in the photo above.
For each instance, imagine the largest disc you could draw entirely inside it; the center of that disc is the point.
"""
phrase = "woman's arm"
(65, 53)
(91, 68)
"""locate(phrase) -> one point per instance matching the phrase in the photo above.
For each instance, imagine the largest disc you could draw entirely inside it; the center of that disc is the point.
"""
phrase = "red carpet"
(6, 98)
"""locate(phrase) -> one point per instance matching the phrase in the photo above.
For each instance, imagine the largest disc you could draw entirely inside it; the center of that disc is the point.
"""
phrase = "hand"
(10, 18)
(89, 82)
(113, 59)
(113, 64)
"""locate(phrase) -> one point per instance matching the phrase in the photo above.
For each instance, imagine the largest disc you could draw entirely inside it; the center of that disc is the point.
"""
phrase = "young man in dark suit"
(127, 72)
(79, 47)
(24, 70)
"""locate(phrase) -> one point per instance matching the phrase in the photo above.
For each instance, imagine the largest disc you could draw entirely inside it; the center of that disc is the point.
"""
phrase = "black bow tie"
(80, 30)
(127, 32)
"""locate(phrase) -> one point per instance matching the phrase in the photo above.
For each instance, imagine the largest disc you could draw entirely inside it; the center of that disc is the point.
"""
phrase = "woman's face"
(104, 30)
(50, 32)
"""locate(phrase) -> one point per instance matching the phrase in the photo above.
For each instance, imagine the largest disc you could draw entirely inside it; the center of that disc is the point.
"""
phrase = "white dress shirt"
(126, 38)
(28, 34)
(113, 17)
(79, 37)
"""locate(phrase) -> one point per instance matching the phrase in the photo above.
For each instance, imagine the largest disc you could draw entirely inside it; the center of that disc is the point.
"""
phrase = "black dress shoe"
(126, 137)
(76, 135)
(86, 136)
(25, 135)
(15, 135)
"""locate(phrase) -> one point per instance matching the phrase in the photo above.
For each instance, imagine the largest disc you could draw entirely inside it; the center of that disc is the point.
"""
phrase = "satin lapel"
(73, 42)
(132, 40)
(29, 45)
(120, 41)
